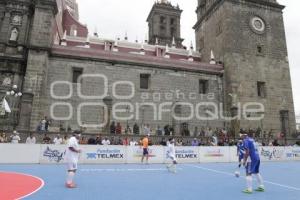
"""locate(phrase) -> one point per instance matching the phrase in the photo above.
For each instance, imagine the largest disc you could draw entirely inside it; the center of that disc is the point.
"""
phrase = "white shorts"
(172, 157)
(72, 165)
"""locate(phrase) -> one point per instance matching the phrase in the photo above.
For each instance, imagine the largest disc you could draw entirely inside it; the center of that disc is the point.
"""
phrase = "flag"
(4, 106)
(2, 110)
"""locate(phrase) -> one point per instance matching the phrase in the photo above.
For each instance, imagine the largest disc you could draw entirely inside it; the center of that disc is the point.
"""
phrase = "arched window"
(173, 32)
(73, 30)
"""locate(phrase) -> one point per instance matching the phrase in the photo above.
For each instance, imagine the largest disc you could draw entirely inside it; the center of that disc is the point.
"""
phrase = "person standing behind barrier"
(46, 139)
(3, 138)
(118, 129)
(136, 129)
(58, 140)
(31, 139)
(195, 142)
(112, 128)
(65, 140)
(15, 138)
(125, 142)
(132, 143)
(145, 145)
(147, 129)
(105, 141)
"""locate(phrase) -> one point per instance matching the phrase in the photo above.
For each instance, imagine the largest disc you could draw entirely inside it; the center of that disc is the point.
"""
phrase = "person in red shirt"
(125, 142)
(119, 128)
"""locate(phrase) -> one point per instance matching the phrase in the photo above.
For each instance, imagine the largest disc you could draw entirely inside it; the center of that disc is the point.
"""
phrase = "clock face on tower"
(257, 25)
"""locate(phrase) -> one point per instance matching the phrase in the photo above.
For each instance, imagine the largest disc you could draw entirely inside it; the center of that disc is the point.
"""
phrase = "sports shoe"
(247, 191)
(70, 185)
(260, 189)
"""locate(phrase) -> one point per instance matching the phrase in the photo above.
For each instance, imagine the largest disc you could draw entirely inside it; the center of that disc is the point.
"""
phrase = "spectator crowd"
(117, 135)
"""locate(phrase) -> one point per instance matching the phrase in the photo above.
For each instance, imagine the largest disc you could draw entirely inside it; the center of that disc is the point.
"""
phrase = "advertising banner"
(187, 154)
(52, 154)
(272, 153)
(156, 154)
(214, 154)
(103, 154)
(292, 153)
(233, 156)
(98, 154)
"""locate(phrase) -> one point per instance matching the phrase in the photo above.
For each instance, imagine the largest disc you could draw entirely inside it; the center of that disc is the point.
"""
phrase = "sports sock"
(249, 182)
(174, 168)
(259, 180)
(70, 177)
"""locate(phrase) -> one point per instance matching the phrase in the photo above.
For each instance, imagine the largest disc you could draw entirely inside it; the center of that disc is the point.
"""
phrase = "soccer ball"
(237, 174)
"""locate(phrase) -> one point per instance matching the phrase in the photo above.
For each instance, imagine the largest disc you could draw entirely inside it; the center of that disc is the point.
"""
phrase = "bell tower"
(248, 37)
(164, 24)
(15, 20)
(40, 41)
(26, 37)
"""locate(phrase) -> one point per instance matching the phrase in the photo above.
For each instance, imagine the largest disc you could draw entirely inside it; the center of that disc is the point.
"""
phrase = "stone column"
(235, 123)
(108, 102)
(25, 112)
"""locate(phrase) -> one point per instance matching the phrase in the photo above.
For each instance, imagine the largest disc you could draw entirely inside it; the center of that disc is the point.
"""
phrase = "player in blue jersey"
(252, 164)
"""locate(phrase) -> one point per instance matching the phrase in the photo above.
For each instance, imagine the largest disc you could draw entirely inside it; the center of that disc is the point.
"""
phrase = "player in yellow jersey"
(145, 144)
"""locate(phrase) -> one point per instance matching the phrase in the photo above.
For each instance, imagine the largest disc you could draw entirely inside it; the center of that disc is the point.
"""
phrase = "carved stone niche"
(2, 48)
(14, 34)
(16, 19)
(6, 79)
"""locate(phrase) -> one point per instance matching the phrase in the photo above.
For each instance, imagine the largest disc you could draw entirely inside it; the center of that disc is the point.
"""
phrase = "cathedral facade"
(79, 79)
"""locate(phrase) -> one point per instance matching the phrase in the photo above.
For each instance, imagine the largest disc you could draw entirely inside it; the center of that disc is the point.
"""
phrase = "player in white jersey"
(72, 156)
(171, 155)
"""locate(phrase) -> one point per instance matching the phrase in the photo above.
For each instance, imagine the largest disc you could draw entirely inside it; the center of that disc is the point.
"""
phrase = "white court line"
(232, 174)
(125, 170)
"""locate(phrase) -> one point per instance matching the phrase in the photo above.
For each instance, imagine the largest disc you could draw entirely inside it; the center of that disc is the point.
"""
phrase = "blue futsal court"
(153, 182)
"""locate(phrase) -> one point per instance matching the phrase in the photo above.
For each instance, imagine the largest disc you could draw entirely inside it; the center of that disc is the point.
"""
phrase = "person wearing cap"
(15, 138)
(72, 157)
(145, 144)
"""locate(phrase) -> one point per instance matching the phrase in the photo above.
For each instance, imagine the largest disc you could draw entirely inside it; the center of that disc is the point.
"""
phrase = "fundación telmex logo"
(161, 103)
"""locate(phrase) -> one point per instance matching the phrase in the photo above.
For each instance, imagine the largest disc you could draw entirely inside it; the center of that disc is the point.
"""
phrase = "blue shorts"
(145, 151)
(253, 167)
(241, 157)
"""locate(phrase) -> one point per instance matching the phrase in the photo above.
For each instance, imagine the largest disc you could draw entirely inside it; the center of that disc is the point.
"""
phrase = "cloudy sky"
(113, 18)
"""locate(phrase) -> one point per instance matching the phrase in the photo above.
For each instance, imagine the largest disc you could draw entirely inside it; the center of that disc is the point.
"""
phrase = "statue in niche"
(14, 34)
(6, 81)
(234, 99)
(16, 20)
(236, 90)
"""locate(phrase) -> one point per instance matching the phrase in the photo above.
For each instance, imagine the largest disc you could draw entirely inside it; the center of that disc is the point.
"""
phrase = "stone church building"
(78, 79)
